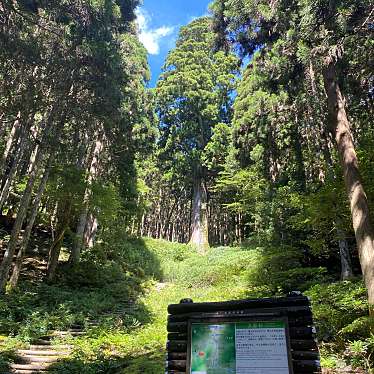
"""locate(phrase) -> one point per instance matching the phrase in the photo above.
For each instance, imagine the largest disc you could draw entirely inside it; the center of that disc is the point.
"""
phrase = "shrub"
(134, 255)
(340, 310)
(281, 271)
(219, 266)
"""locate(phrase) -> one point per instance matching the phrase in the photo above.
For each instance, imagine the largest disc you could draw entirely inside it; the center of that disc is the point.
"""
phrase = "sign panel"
(239, 348)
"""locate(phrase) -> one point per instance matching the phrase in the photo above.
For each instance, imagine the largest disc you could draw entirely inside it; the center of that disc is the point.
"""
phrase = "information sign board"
(245, 347)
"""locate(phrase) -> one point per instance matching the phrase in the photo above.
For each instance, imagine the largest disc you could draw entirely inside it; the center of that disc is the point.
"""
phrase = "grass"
(156, 273)
(141, 349)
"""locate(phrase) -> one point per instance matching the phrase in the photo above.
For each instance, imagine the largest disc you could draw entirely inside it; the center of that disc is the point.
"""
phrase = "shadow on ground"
(6, 357)
(150, 363)
(101, 291)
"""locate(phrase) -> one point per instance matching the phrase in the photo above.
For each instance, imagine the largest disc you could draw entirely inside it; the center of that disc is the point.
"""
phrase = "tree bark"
(90, 231)
(92, 174)
(9, 143)
(26, 236)
(21, 215)
(299, 158)
(3, 126)
(21, 147)
(54, 251)
(345, 257)
(168, 217)
(346, 271)
(35, 133)
(362, 226)
(199, 236)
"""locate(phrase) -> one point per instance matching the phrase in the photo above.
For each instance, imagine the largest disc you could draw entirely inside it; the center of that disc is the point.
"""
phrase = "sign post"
(262, 336)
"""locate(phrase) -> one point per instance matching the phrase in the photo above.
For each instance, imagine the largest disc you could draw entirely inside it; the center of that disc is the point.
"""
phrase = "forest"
(247, 171)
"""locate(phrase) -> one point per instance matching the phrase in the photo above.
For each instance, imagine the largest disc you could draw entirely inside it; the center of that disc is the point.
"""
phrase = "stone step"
(27, 371)
(30, 352)
(42, 353)
(67, 333)
(31, 359)
(45, 340)
(49, 347)
(34, 367)
(42, 342)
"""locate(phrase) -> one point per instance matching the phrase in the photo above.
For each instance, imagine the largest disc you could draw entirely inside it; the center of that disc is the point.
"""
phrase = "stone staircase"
(43, 353)
(38, 357)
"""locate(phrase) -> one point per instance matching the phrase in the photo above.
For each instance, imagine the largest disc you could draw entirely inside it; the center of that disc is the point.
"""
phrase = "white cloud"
(150, 38)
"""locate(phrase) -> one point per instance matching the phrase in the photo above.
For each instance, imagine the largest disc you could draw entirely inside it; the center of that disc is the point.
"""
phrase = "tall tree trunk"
(54, 251)
(299, 158)
(90, 231)
(357, 197)
(26, 236)
(92, 174)
(199, 236)
(345, 257)
(346, 271)
(21, 215)
(3, 126)
(9, 143)
(168, 217)
(142, 226)
(35, 133)
(13, 169)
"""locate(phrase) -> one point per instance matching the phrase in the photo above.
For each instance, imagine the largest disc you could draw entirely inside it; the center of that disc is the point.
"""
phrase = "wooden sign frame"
(295, 308)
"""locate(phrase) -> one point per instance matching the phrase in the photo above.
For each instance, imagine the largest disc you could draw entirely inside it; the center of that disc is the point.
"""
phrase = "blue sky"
(159, 22)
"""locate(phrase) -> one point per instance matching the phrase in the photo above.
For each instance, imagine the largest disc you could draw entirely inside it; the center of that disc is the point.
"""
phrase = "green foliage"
(215, 268)
(168, 252)
(361, 353)
(193, 101)
(343, 325)
(105, 203)
(281, 141)
(99, 94)
(281, 271)
(246, 192)
(340, 310)
(31, 314)
(81, 293)
(267, 149)
(271, 270)
(133, 255)
(135, 342)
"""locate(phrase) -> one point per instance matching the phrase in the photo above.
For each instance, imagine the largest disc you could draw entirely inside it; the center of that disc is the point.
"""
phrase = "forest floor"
(131, 339)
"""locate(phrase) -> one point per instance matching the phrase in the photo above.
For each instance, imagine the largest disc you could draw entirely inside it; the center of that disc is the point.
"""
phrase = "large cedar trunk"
(199, 236)
(92, 174)
(54, 251)
(13, 168)
(30, 224)
(21, 215)
(77, 246)
(9, 143)
(345, 257)
(357, 197)
(90, 231)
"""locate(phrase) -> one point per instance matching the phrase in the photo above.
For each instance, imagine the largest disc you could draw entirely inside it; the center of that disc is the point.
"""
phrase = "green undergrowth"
(156, 273)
